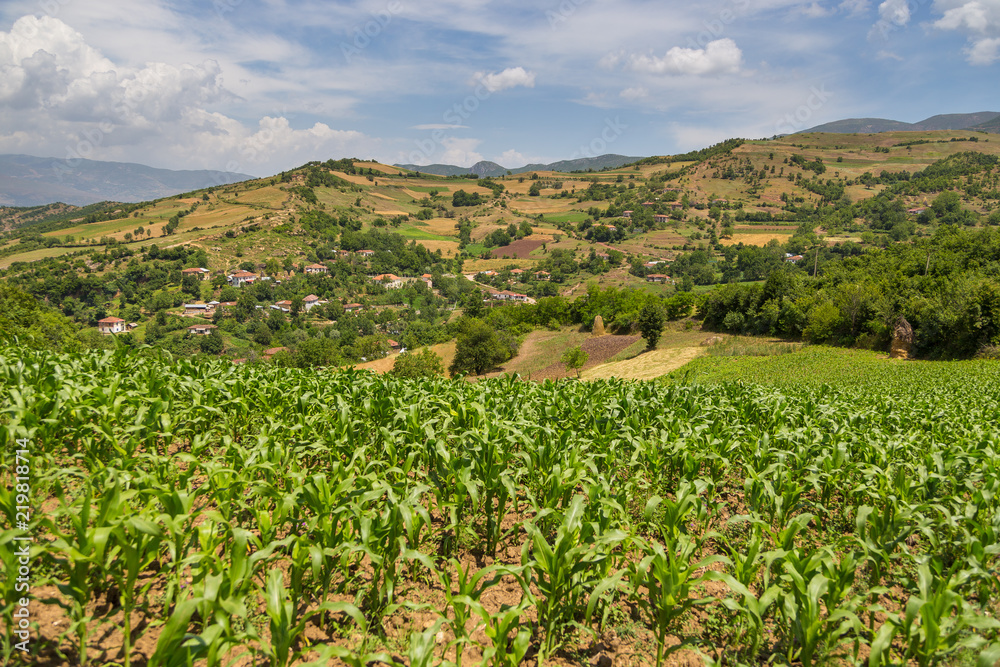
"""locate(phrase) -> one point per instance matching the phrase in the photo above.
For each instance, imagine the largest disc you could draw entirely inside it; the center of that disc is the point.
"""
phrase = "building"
(317, 268)
(626, 214)
(793, 258)
(428, 280)
(311, 301)
(647, 204)
(542, 275)
(201, 329)
(191, 309)
(111, 325)
(366, 253)
(396, 347)
(353, 307)
(199, 273)
(271, 351)
(657, 278)
(239, 278)
(388, 280)
(661, 217)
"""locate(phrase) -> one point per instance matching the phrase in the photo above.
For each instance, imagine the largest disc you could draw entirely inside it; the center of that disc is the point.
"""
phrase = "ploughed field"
(187, 512)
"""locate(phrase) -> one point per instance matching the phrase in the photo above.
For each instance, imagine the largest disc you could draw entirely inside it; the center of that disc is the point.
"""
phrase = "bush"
(418, 365)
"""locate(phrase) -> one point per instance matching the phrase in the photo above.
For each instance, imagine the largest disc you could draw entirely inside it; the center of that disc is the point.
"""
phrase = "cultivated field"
(829, 508)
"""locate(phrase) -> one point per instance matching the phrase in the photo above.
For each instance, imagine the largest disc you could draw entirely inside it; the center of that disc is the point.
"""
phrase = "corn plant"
(937, 623)
(566, 572)
(669, 575)
(287, 625)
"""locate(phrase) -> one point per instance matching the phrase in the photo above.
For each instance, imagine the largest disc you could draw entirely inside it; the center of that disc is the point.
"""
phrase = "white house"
(111, 325)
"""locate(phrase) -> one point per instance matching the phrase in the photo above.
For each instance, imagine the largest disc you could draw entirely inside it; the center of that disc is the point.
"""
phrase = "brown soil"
(519, 249)
(600, 349)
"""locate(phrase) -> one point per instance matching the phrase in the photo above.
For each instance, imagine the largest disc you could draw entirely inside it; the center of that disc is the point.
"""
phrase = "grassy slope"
(819, 365)
(267, 202)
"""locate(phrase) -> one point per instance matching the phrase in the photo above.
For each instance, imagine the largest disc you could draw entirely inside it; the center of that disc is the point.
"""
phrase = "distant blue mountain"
(32, 181)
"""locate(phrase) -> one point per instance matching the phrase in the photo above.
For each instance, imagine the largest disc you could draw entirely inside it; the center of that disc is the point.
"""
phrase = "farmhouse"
(111, 325)
(191, 309)
(240, 277)
(201, 329)
(661, 217)
(366, 253)
(316, 268)
(353, 307)
(311, 301)
(626, 214)
(657, 278)
(542, 275)
(793, 258)
(199, 273)
(388, 280)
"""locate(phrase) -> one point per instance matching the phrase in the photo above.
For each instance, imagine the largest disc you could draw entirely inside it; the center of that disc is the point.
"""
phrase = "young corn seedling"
(669, 575)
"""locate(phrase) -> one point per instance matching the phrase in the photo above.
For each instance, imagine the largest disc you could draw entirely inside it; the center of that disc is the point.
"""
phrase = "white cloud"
(984, 51)
(460, 152)
(509, 78)
(632, 94)
(888, 55)
(511, 158)
(815, 11)
(979, 20)
(61, 97)
(894, 12)
(721, 56)
(855, 7)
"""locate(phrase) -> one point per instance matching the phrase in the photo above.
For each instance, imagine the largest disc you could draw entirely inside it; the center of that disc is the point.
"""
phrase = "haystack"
(902, 340)
(598, 326)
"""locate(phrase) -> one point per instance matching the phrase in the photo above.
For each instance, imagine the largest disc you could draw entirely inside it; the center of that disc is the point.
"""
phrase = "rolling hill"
(32, 181)
(486, 168)
(952, 121)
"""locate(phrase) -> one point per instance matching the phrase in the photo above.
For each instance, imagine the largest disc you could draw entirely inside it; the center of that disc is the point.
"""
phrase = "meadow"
(745, 510)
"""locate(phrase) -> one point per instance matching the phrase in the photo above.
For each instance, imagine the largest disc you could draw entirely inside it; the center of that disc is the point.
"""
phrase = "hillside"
(955, 121)
(32, 181)
(492, 169)
(408, 252)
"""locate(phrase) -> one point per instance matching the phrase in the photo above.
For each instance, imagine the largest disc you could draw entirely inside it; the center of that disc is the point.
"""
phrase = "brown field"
(536, 205)
(646, 366)
(759, 238)
(446, 247)
(520, 249)
(441, 226)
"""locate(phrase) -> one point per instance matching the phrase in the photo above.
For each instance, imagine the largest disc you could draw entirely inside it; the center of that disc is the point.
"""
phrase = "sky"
(260, 86)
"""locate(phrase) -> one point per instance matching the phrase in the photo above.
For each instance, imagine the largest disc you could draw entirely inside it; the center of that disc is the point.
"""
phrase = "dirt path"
(646, 366)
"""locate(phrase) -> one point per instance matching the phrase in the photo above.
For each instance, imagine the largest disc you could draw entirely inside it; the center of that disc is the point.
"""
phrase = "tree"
(418, 365)
(480, 347)
(651, 323)
(575, 359)
(212, 343)
(472, 304)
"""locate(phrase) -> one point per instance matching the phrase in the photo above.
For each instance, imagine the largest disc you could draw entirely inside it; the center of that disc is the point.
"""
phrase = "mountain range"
(32, 181)
(486, 168)
(986, 121)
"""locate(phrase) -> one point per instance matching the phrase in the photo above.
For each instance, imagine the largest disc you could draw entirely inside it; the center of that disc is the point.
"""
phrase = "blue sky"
(258, 86)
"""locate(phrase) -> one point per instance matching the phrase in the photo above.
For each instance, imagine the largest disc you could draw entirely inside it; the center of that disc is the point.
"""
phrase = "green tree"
(651, 323)
(212, 343)
(418, 365)
(575, 359)
(481, 347)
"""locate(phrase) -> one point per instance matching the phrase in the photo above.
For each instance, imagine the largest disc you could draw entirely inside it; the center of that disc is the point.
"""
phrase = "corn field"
(203, 513)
